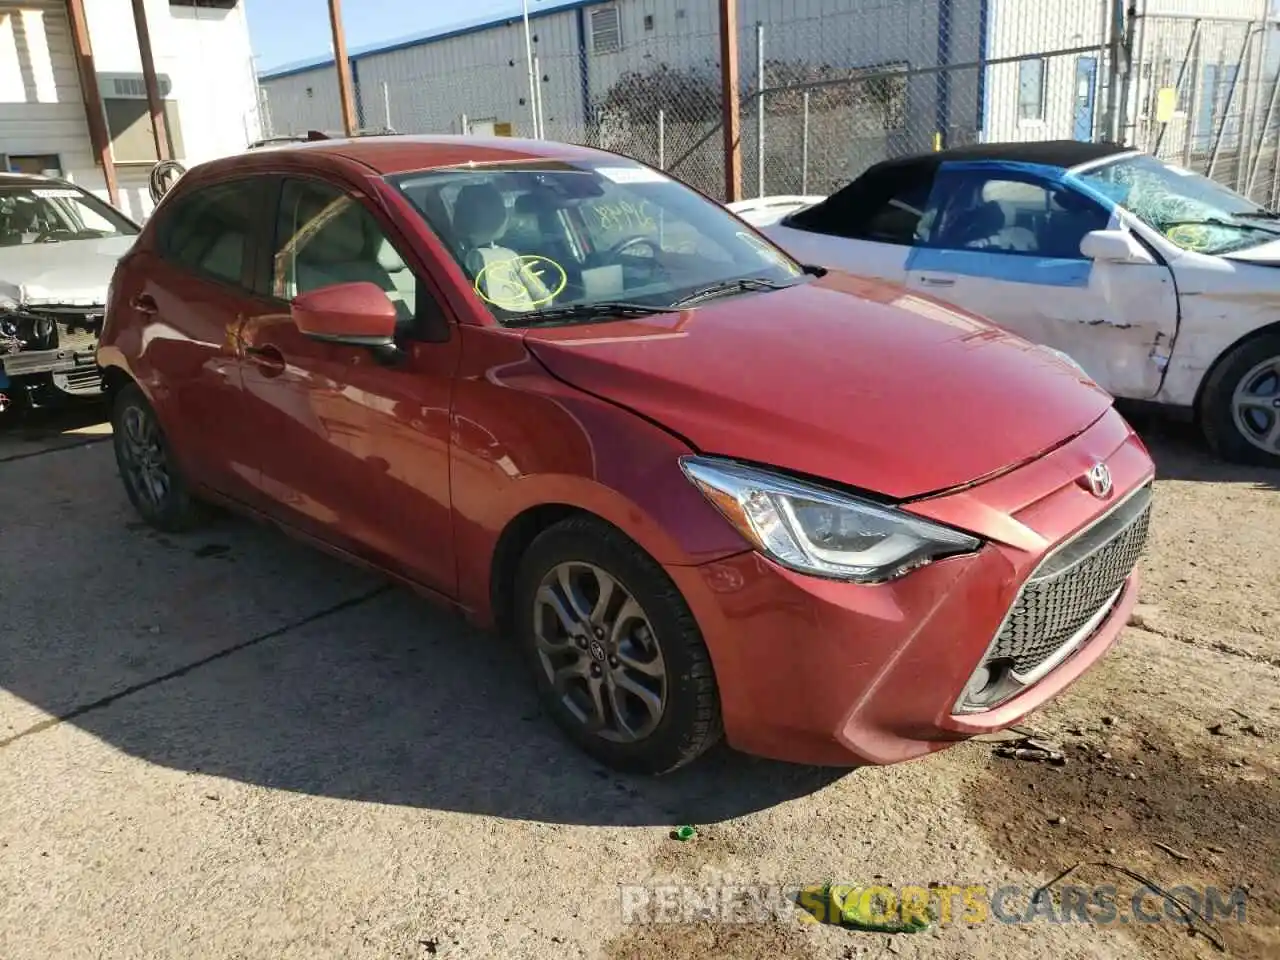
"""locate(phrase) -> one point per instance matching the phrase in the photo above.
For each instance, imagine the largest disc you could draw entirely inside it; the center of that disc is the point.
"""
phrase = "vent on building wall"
(131, 86)
(606, 30)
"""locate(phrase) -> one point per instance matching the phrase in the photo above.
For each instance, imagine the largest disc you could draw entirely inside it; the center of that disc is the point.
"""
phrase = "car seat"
(479, 221)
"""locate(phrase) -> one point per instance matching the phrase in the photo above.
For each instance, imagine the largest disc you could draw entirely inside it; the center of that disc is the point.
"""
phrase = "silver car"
(59, 245)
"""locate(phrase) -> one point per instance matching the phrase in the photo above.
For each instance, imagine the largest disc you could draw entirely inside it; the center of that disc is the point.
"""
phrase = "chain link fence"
(828, 87)
(1205, 99)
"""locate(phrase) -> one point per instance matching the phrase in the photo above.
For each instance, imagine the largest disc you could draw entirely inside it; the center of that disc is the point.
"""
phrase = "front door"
(1086, 95)
(1005, 244)
(350, 449)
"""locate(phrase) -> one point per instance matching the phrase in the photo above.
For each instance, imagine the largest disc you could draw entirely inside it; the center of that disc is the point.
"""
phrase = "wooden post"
(344, 69)
(729, 100)
(93, 110)
(159, 129)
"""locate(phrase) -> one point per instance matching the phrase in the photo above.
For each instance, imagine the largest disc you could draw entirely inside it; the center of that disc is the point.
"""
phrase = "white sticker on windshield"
(631, 174)
(48, 192)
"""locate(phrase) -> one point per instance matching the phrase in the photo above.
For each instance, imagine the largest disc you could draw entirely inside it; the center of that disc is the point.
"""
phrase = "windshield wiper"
(741, 285)
(583, 312)
(1257, 215)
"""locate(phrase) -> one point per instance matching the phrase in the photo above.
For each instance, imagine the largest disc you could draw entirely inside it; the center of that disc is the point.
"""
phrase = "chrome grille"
(1072, 586)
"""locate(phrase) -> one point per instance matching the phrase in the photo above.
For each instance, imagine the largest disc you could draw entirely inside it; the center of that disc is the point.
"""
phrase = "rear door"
(188, 295)
(1004, 242)
(867, 229)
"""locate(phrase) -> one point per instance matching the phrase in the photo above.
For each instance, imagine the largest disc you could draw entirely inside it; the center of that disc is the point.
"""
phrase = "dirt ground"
(225, 745)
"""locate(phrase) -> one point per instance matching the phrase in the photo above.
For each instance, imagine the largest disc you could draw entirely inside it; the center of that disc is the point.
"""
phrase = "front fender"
(545, 443)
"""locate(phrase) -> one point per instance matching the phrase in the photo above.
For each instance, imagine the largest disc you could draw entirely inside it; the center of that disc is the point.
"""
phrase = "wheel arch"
(1271, 329)
(512, 543)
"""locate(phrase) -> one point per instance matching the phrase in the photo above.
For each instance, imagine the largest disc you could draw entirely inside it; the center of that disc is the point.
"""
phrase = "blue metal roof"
(537, 8)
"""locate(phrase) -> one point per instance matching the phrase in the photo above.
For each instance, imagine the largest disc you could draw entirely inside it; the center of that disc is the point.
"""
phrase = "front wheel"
(148, 470)
(1240, 413)
(619, 661)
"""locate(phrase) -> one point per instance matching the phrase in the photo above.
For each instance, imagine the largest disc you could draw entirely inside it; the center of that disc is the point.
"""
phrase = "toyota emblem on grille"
(1098, 480)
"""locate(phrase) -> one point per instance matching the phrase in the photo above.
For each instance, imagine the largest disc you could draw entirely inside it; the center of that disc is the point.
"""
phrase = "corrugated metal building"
(914, 72)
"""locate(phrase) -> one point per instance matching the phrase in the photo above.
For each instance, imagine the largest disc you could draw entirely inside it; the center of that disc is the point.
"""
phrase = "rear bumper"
(817, 671)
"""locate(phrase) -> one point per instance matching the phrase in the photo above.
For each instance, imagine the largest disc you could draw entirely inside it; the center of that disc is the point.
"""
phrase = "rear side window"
(883, 206)
(208, 230)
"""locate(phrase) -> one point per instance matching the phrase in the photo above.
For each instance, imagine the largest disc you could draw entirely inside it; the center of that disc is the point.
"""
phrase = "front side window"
(56, 212)
(325, 237)
(208, 229)
(1031, 88)
(1190, 210)
(538, 235)
(1000, 215)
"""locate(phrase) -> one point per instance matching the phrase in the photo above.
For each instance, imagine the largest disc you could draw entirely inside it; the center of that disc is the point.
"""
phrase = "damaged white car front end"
(1160, 283)
(59, 246)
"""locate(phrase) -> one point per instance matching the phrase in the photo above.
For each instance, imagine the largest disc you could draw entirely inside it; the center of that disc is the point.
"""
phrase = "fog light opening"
(991, 683)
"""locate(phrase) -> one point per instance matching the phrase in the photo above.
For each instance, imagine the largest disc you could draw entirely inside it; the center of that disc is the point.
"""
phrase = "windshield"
(535, 237)
(1192, 211)
(48, 214)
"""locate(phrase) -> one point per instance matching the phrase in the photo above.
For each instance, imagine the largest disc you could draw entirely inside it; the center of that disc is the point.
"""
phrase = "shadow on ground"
(237, 653)
(1180, 454)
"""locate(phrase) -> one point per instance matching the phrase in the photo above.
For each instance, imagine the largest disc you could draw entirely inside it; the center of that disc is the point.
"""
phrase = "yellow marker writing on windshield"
(520, 283)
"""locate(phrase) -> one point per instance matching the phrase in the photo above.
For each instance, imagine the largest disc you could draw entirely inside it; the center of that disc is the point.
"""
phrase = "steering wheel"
(618, 251)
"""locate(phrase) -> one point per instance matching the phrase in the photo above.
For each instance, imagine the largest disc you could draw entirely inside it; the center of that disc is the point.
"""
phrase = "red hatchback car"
(710, 490)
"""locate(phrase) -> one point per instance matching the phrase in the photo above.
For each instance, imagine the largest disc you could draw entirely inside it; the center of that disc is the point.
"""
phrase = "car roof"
(391, 154)
(1052, 153)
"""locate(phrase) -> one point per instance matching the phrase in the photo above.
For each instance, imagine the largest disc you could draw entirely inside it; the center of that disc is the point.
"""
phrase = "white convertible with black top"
(1159, 282)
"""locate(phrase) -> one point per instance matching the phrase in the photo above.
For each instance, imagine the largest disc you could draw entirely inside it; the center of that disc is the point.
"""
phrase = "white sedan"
(1160, 283)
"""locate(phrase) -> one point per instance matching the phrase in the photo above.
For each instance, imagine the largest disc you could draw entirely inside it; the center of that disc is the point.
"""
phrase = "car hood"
(842, 378)
(1265, 253)
(71, 271)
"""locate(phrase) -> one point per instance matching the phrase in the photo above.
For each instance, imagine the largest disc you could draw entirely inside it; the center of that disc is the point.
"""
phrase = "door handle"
(267, 358)
(938, 281)
(145, 304)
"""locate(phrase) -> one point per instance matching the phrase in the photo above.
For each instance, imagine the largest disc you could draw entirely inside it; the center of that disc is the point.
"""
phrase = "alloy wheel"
(599, 652)
(1255, 406)
(143, 457)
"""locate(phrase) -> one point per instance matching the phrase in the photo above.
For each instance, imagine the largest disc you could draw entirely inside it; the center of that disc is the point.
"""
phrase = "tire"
(150, 475)
(1235, 431)
(626, 656)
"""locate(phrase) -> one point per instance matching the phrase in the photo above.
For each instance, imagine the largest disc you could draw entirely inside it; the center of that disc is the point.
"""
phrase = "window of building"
(1032, 75)
(129, 119)
(40, 164)
(606, 30)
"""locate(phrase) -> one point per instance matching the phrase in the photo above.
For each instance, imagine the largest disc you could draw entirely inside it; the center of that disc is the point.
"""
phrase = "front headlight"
(818, 531)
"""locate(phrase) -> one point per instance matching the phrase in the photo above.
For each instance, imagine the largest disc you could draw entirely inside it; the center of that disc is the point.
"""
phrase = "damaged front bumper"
(51, 348)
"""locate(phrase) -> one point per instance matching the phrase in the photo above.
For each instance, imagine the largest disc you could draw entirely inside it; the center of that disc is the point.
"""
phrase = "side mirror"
(1113, 246)
(358, 314)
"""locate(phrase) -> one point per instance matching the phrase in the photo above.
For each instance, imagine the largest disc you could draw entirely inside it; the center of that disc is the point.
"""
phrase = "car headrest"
(479, 213)
(979, 221)
(530, 204)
